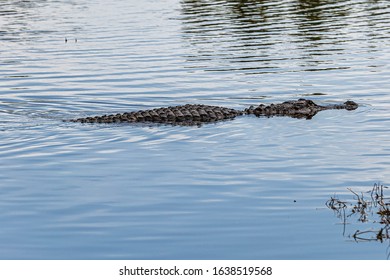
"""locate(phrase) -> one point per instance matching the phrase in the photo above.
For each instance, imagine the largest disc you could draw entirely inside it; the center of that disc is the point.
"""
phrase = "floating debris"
(66, 40)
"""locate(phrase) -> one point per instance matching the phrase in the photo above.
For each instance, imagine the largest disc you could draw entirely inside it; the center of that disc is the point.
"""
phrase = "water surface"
(250, 188)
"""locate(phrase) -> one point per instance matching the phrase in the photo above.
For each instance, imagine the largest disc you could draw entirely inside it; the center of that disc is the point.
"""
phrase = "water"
(248, 188)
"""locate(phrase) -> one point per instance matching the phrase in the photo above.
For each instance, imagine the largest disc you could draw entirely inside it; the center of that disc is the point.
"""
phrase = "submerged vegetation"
(371, 207)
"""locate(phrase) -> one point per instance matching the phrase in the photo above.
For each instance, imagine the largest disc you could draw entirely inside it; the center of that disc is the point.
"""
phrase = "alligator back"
(189, 114)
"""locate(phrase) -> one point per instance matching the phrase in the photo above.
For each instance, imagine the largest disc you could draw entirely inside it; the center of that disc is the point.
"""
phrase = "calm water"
(250, 188)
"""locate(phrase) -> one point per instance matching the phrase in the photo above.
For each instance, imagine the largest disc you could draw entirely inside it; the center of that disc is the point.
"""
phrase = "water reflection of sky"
(246, 188)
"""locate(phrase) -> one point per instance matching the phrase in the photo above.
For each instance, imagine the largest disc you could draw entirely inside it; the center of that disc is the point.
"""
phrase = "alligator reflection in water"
(370, 207)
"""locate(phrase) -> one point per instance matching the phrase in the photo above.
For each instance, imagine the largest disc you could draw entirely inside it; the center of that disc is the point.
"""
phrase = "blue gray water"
(250, 188)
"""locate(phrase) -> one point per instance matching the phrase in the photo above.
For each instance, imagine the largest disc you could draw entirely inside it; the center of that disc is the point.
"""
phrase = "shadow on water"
(264, 36)
(371, 208)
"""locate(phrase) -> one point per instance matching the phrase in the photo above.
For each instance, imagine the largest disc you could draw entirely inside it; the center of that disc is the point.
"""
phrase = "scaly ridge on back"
(189, 114)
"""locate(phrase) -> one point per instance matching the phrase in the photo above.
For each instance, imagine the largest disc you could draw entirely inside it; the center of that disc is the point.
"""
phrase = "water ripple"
(234, 189)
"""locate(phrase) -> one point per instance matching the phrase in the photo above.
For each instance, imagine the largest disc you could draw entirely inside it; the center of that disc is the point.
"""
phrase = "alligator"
(196, 114)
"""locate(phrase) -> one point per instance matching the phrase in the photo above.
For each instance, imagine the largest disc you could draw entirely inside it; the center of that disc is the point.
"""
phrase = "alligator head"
(301, 108)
